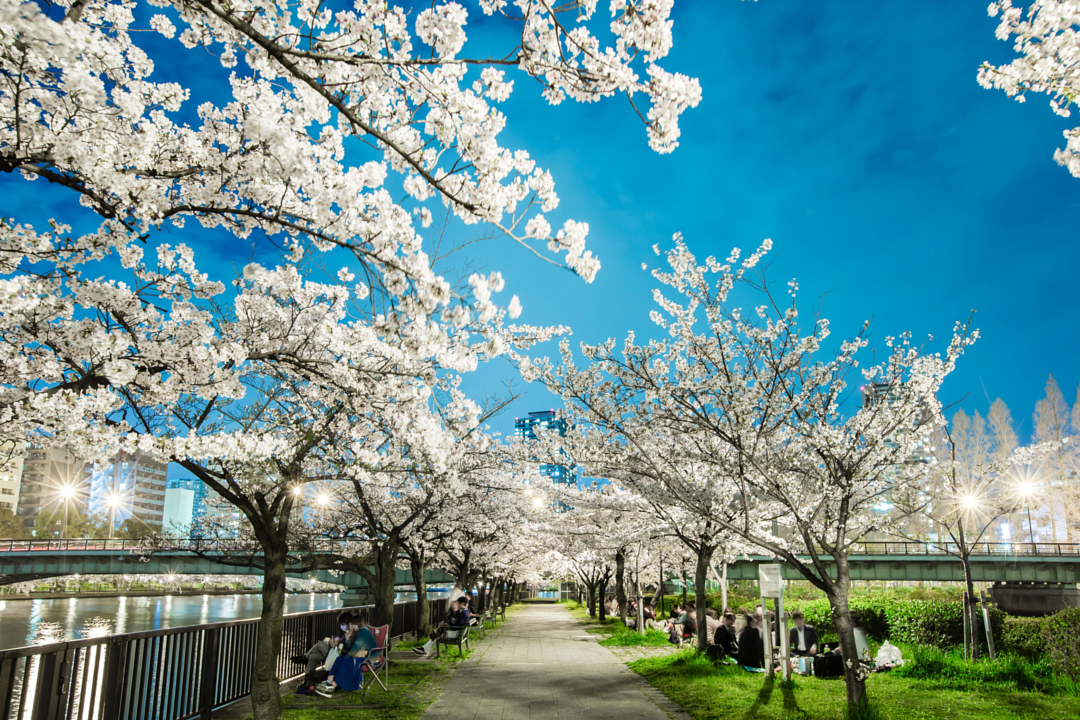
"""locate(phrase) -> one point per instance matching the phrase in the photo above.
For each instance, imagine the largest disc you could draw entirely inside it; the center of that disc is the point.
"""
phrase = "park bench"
(453, 636)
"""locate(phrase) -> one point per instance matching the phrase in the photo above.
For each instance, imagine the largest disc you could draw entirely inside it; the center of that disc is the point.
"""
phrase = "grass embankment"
(618, 635)
(413, 686)
(707, 691)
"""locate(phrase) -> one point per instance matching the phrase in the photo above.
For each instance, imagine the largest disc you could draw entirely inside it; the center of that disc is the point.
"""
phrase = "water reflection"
(39, 622)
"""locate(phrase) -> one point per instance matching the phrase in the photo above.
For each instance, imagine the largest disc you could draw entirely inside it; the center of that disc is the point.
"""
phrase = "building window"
(6, 491)
(5, 506)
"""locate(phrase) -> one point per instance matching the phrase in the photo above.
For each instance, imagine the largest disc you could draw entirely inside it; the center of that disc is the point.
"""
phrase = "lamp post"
(66, 493)
(1026, 490)
(113, 501)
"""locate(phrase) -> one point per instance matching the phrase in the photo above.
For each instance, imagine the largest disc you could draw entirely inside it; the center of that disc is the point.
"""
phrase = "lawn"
(707, 691)
(413, 686)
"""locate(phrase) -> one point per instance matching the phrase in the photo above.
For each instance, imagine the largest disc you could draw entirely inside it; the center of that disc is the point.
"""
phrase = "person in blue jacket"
(347, 673)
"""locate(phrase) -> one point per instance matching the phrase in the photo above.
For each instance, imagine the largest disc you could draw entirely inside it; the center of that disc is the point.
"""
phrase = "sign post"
(771, 585)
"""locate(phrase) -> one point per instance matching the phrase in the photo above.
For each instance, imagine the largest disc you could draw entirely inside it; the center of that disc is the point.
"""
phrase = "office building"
(11, 471)
(131, 486)
(52, 478)
(548, 420)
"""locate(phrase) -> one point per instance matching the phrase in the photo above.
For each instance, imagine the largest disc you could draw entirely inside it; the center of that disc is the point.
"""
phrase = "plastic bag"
(889, 654)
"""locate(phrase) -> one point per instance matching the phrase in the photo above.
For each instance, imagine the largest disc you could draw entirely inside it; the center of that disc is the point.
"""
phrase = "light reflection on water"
(39, 622)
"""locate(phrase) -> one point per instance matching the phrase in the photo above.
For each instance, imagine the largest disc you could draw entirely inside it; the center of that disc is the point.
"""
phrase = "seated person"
(751, 652)
(649, 615)
(804, 639)
(347, 673)
(690, 625)
(724, 637)
(712, 623)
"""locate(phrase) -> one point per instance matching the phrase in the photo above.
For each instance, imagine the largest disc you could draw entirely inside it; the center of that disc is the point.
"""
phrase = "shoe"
(310, 690)
(419, 650)
(324, 692)
(302, 690)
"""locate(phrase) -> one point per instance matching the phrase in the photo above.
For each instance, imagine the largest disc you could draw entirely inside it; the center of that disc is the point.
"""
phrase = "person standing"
(751, 652)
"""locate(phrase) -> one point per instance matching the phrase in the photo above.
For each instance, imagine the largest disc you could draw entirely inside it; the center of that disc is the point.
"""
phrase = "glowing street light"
(322, 500)
(297, 490)
(970, 502)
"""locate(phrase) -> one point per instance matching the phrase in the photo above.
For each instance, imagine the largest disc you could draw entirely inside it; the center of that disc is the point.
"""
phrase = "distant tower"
(525, 428)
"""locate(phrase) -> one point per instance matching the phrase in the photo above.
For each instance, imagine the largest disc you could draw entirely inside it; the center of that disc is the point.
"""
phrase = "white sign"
(769, 581)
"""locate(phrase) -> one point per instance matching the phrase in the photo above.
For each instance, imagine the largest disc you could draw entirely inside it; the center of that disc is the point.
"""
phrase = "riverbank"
(133, 593)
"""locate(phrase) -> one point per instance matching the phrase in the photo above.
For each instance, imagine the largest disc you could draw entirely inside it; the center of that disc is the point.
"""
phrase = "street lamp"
(66, 493)
(1026, 489)
(113, 501)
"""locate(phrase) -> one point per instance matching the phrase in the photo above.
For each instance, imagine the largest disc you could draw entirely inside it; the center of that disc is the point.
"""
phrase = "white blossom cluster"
(1047, 38)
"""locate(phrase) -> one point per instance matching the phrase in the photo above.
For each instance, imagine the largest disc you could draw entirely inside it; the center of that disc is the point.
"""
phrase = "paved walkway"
(543, 665)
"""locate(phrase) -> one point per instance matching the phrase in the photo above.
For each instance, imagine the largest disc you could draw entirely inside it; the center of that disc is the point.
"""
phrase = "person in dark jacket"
(751, 652)
(804, 639)
(724, 637)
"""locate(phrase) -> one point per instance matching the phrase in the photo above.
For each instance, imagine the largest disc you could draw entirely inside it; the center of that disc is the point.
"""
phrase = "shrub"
(1061, 633)
(950, 669)
(1022, 636)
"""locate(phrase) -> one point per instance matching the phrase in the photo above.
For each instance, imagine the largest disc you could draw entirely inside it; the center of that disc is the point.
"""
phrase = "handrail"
(871, 547)
(167, 674)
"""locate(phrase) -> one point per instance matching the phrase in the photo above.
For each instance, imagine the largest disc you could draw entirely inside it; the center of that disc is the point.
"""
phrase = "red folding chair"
(377, 669)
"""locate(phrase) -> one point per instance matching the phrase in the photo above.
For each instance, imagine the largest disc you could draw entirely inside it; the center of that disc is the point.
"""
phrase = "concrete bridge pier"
(1034, 598)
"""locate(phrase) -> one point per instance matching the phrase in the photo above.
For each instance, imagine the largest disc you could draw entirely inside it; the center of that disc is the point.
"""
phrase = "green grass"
(413, 685)
(625, 637)
(707, 691)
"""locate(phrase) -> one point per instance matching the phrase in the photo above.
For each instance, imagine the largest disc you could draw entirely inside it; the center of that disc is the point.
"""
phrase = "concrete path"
(543, 665)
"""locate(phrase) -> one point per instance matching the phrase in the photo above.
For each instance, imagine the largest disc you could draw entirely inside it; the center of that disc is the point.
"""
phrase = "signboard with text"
(770, 581)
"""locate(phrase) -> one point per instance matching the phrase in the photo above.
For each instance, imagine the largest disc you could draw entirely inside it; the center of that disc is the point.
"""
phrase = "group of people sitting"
(742, 642)
(338, 662)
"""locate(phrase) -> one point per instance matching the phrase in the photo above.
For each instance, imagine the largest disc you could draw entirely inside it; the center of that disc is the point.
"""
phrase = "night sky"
(853, 134)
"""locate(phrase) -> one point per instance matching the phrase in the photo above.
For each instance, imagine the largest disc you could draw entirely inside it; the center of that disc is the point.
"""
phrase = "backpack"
(831, 665)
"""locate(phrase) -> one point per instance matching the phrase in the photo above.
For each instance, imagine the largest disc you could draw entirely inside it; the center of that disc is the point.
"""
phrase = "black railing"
(174, 674)
(975, 549)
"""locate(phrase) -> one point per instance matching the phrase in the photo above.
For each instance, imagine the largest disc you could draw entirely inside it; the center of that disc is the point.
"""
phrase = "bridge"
(937, 562)
(23, 560)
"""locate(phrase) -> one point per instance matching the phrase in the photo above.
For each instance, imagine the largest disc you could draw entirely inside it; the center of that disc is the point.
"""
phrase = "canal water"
(38, 622)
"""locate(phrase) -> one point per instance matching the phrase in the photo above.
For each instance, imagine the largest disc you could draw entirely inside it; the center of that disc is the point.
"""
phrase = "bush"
(950, 669)
(1022, 636)
(1061, 633)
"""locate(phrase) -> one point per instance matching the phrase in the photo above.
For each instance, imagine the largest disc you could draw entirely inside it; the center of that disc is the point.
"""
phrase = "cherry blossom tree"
(764, 406)
(1045, 37)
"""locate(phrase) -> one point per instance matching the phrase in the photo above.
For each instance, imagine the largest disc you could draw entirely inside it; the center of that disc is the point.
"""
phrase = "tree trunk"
(591, 588)
(602, 593)
(383, 588)
(684, 600)
(704, 557)
(971, 616)
(265, 685)
(423, 618)
(845, 633)
(620, 584)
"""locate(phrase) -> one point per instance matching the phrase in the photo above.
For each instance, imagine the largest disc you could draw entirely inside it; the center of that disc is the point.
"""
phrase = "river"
(37, 622)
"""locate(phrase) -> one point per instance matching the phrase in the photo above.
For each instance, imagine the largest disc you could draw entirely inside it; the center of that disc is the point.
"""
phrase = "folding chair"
(377, 670)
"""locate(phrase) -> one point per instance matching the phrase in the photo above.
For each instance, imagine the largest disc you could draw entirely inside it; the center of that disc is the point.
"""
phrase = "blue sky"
(853, 134)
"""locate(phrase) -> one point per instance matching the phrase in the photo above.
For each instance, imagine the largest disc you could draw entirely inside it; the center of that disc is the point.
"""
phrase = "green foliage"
(1061, 632)
(1022, 636)
(950, 669)
(623, 636)
(11, 526)
(707, 692)
(75, 524)
(865, 710)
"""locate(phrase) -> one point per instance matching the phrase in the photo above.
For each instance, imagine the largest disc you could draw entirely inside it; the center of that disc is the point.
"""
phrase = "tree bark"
(591, 588)
(383, 588)
(845, 632)
(704, 557)
(265, 685)
(620, 584)
(417, 566)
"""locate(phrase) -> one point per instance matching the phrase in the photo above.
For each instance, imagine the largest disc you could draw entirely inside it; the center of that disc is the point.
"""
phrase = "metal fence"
(174, 674)
(976, 549)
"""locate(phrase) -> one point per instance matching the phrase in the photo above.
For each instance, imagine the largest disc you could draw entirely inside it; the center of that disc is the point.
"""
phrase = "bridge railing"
(175, 674)
(982, 548)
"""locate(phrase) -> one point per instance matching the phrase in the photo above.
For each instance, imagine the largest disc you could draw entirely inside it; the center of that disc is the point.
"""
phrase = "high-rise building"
(547, 420)
(179, 511)
(132, 485)
(53, 478)
(11, 470)
(200, 495)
